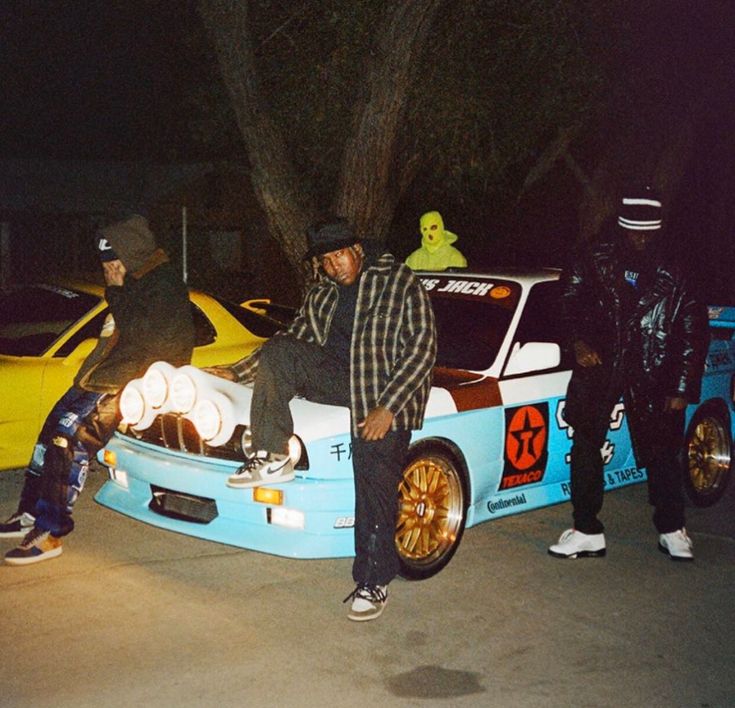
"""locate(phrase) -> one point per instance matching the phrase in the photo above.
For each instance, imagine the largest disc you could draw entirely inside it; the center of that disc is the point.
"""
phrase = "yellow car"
(46, 331)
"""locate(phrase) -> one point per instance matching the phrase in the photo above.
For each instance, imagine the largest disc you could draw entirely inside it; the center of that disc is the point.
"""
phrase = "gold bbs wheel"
(432, 511)
(708, 451)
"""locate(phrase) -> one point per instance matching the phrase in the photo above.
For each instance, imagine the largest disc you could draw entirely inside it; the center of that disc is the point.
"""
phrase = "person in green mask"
(436, 252)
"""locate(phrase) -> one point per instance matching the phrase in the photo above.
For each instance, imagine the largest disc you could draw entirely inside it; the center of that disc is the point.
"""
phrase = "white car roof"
(524, 276)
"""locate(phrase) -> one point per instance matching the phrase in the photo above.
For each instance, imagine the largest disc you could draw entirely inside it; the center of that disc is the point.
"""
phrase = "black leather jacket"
(654, 345)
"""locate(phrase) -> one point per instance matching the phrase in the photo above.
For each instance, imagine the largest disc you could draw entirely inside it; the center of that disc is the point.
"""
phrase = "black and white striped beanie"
(641, 212)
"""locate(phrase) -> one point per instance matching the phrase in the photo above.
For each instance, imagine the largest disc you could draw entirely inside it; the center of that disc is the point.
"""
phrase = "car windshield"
(472, 319)
(32, 317)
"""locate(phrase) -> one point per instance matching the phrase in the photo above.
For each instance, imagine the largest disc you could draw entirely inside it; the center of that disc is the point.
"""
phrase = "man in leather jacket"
(637, 329)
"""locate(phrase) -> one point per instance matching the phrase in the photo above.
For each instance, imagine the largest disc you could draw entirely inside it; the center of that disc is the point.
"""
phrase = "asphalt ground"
(132, 615)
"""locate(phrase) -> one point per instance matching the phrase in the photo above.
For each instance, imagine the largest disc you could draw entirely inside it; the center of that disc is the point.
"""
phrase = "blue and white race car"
(494, 442)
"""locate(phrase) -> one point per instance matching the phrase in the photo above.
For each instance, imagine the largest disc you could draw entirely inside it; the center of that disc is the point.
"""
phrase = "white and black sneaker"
(37, 545)
(677, 544)
(368, 602)
(17, 526)
(575, 544)
(262, 468)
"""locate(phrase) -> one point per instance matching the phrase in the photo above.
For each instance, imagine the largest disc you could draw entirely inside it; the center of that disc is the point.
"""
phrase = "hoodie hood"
(132, 240)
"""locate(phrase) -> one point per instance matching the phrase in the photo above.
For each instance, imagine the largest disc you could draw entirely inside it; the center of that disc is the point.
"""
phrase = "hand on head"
(114, 272)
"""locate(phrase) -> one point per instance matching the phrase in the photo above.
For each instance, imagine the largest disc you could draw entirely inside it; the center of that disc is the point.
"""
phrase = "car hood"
(312, 421)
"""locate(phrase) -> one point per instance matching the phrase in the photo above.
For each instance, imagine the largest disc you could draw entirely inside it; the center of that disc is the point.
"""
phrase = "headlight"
(295, 446)
(246, 442)
(155, 388)
(132, 405)
(207, 419)
(294, 449)
(183, 393)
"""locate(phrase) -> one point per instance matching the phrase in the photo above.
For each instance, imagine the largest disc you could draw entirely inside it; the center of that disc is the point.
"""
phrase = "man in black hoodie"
(149, 320)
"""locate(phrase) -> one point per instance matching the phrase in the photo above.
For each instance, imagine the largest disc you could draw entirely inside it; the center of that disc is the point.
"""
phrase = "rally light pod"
(214, 418)
(183, 393)
(157, 385)
(133, 407)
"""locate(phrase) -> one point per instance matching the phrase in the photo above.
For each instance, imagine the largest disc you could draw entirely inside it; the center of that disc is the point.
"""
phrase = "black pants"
(588, 412)
(665, 468)
(378, 467)
(288, 367)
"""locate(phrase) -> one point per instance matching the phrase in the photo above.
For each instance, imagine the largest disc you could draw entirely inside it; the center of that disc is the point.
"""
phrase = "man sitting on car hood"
(149, 319)
(364, 338)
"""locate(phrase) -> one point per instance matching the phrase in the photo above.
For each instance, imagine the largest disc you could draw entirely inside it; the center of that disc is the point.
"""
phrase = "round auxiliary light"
(132, 405)
(207, 419)
(155, 388)
(183, 393)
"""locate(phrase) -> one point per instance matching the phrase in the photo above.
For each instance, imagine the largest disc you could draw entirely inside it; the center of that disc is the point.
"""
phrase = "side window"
(541, 321)
(91, 330)
(204, 331)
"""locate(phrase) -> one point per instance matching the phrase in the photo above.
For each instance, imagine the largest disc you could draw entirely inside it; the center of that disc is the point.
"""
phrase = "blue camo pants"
(79, 424)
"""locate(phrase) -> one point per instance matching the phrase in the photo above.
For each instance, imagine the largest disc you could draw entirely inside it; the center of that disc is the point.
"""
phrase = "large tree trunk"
(372, 179)
(275, 184)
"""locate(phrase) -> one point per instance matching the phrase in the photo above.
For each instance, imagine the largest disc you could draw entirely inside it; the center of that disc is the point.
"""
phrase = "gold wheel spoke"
(709, 456)
(431, 510)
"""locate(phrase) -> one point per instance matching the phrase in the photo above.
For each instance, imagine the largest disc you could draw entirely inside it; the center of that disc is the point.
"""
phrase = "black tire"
(708, 454)
(432, 510)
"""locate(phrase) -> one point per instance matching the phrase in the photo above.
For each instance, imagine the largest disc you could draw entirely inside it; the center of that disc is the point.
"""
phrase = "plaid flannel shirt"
(393, 341)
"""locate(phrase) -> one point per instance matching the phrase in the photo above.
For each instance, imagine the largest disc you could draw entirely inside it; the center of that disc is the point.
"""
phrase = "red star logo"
(524, 443)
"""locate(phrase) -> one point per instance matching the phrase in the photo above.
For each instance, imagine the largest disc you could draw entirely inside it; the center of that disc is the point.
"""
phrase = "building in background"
(204, 215)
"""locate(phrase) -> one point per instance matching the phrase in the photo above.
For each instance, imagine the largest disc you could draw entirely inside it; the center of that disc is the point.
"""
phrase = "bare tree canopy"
(378, 111)
(515, 118)
(341, 107)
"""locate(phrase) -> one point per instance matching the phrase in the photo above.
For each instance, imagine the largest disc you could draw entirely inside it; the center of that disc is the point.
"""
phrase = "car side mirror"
(533, 356)
(259, 305)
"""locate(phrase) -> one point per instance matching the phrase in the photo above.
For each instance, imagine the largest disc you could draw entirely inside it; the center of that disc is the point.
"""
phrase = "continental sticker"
(526, 445)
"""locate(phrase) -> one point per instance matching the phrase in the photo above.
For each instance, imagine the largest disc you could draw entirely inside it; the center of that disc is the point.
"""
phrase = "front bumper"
(315, 519)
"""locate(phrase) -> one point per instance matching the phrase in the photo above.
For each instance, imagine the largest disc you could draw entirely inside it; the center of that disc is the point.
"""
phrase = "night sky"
(92, 79)
(105, 79)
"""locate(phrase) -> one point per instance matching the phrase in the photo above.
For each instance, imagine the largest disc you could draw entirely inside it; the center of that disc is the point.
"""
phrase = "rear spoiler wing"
(721, 316)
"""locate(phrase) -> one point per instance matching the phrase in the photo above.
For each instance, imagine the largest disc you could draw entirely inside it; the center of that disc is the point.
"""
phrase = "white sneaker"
(262, 468)
(368, 602)
(677, 544)
(17, 526)
(575, 544)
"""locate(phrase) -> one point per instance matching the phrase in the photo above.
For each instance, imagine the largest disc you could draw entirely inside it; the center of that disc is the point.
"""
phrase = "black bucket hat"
(329, 236)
